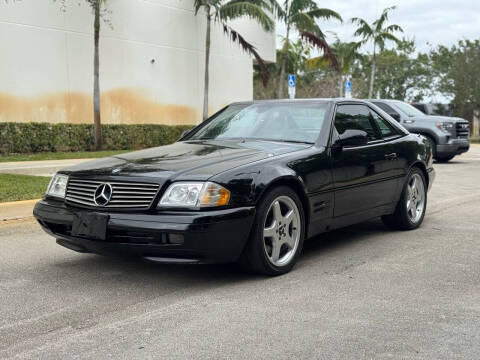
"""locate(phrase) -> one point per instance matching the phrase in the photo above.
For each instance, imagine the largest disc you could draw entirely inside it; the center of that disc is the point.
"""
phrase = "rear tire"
(411, 208)
(277, 235)
(445, 159)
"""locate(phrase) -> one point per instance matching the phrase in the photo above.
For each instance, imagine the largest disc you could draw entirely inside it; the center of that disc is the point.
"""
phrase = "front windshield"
(296, 122)
(408, 109)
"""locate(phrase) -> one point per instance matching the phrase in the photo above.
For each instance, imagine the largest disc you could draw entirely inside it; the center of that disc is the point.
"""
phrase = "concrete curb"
(17, 209)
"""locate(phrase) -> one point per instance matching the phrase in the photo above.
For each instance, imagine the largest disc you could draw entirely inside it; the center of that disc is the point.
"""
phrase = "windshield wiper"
(282, 140)
(295, 141)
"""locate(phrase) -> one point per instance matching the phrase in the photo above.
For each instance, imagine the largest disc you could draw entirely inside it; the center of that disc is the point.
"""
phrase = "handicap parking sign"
(348, 86)
(291, 80)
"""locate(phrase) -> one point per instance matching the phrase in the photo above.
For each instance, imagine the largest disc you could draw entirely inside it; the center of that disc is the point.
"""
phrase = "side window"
(385, 107)
(355, 117)
(386, 129)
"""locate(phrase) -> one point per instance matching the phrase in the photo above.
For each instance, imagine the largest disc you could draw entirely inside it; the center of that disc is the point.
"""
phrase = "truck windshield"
(289, 122)
(408, 109)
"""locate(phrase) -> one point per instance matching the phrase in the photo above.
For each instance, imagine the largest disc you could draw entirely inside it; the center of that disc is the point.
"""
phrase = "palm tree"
(301, 15)
(298, 54)
(378, 34)
(346, 53)
(97, 123)
(99, 12)
(222, 11)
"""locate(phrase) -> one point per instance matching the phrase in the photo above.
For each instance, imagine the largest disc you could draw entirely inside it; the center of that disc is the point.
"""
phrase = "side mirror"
(352, 138)
(396, 116)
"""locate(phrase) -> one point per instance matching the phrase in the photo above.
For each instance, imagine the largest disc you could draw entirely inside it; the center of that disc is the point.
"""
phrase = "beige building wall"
(151, 62)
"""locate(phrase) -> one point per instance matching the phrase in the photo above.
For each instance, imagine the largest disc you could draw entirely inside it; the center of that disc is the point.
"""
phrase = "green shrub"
(21, 138)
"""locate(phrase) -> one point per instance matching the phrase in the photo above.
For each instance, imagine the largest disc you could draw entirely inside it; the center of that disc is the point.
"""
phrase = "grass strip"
(22, 187)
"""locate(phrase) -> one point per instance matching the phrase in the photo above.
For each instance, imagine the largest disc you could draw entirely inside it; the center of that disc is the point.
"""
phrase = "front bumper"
(453, 147)
(216, 236)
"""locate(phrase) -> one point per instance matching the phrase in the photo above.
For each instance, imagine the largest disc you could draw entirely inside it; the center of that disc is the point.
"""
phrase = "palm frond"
(248, 48)
(277, 9)
(322, 44)
(378, 24)
(249, 9)
(393, 28)
(303, 21)
(364, 29)
(382, 36)
(298, 6)
(326, 14)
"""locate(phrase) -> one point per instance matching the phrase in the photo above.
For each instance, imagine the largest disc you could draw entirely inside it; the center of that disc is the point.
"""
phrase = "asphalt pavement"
(357, 293)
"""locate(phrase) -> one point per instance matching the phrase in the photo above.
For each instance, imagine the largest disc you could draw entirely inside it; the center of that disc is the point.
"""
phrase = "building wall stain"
(118, 106)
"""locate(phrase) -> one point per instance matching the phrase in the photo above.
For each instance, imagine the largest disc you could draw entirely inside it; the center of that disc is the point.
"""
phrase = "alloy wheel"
(281, 231)
(415, 198)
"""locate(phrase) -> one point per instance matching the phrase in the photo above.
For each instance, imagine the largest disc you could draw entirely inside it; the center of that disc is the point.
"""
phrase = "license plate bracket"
(90, 225)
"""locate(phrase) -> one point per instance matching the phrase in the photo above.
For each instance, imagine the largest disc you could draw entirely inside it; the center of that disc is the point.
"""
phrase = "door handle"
(391, 156)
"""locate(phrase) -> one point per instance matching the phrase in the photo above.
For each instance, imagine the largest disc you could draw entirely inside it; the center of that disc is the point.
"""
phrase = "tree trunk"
(97, 125)
(281, 79)
(207, 59)
(340, 80)
(372, 75)
(340, 85)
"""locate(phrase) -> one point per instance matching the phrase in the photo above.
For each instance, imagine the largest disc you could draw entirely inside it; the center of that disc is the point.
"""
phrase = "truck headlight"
(195, 194)
(57, 186)
(444, 126)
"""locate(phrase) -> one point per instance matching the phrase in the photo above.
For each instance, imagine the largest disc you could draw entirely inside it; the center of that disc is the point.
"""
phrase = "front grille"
(124, 194)
(462, 129)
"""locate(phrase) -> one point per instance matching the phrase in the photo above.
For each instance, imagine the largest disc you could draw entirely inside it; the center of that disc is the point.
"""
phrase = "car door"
(362, 176)
(396, 154)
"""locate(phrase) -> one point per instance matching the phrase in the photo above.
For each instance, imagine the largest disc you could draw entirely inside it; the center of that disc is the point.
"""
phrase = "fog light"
(175, 239)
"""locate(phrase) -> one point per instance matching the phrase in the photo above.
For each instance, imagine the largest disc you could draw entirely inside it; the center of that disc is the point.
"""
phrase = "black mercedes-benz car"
(250, 184)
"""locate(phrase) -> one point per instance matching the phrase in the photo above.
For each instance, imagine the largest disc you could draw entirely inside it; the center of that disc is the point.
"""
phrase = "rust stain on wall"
(119, 106)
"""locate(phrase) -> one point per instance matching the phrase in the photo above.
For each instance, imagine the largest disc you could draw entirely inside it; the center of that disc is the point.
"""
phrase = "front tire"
(277, 235)
(412, 205)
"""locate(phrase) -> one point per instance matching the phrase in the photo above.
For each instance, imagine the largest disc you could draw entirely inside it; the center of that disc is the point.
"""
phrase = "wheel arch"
(423, 168)
(297, 185)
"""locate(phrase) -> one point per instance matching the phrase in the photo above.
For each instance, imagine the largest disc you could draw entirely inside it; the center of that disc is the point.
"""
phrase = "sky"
(428, 22)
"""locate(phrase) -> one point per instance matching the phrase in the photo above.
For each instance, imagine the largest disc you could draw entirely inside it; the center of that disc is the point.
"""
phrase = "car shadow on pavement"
(128, 271)
(343, 238)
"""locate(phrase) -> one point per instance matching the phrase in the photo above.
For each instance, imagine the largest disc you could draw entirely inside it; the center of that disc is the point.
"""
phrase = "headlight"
(445, 126)
(195, 194)
(57, 186)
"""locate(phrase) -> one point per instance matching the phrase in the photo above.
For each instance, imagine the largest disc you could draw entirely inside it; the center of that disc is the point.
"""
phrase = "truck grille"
(462, 129)
(124, 194)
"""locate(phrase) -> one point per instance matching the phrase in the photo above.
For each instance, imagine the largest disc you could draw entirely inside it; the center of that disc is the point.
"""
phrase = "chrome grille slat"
(77, 201)
(84, 197)
(150, 192)
(127, 188)
(81, 192)
(115, 197)
(124, 194)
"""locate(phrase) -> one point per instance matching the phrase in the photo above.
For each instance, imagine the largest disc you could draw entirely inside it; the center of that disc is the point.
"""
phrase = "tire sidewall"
(411, 224)
(257, 238)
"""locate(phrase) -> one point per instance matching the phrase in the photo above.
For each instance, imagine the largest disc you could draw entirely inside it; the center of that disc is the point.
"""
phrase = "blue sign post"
(348, 89)
(291, 86)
